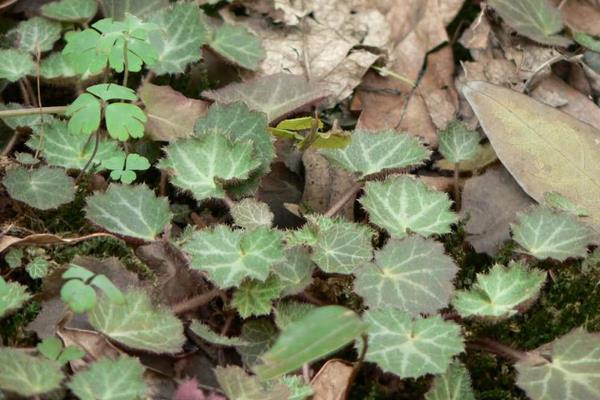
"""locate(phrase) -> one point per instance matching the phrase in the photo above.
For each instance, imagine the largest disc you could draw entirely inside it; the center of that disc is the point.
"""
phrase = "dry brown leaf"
(278, 187)
(581, 16)
(171, 115)
(332, 380)
(93, 343)
(43, 239)
(491, 202)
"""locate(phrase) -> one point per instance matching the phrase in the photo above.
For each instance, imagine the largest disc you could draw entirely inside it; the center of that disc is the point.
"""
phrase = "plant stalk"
(126, 63)
(195, 302)
(346, 197)
(19, 112)
(457, 198)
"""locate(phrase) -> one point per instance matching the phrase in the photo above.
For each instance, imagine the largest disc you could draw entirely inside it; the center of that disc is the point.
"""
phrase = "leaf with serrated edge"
(206, 333)
(571, 372)
(106, 379)
(289, 311)
(238, 45)
(457, 143)
(238, 385)
(536, 19)
(544, 149)
(259, 334)
(183, 31)
(132, 211)
(412, 274)
(37, 34)
(275, 95)
(70, 10)
(138, 324)
(27, 375)
(342, 246)
(44, 188)
(484, 157)
(204, 165)
(409, 347)
(544, 233)
(56, 66)
(118, 8)
(15, 65)
(321, 332)
(402, 204)
(229, 256)
(249, 213)
(372, 152)
(500, 292)
(62, 148)
(562, 203)
(254, 298)
(295, 272)
(454, 384)
(37, 268)
(12, 296)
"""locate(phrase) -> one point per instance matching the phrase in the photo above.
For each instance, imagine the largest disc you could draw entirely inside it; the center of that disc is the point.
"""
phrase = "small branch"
(195, 302)
(87, 164)
(30, 91)
(24, 93)
(228, 202)
(31, 111)
(504, 351)
(126, 63)
(346, 197)
(457, 199)
(148, 77)
(11, 143)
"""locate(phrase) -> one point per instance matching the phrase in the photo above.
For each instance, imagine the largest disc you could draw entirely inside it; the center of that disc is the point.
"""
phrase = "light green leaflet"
(52, 348)
(500, 292)
(254, 298)
(27, 375)
(37, 268)
(321, 332)
(123, 166)
(44, 188)
(124, 120)
(454, 384)
(70, 10)
(79, 296)
(138, 323)
(259, 334)
(249, 213)
(229, 256)
(561, 203)
(12, 296)
(14, 257)
(64, 149)
(412, 274)
(401, 205)
(142, 8)
(341, 246)
(183, 31)
(106, 379)
(571, 372)
(457, 143)
(372, 152)
(206, 333)
(536, 19)
(238, 45)
(290, 311)
(409, 347)
(238, 122)
(56, 66)
(37, 34)
(295, 272)
(85, 114)
(544, 233)
(238, 385)
(132, 211)
(204, 165)
(15, 65)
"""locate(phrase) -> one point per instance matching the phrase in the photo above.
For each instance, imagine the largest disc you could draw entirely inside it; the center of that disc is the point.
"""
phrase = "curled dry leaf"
(42, 239)
(332, 380)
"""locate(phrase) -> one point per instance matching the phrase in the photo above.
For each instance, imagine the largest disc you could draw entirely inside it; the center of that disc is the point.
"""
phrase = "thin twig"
(195, 302)
(456, 187)
(228, 202)
(346, 197)
(19, 112)
(87, 164)
(11, 143)
(126, 63)
(30, 91)
(502, 350)
(39, 101)
(24, 93)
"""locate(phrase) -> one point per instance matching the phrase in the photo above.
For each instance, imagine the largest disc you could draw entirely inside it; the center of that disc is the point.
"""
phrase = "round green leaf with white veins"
(500, 292)
(341, 246)
(372, 152)
(571, 369)
(454, 384)
(229, 256)
(544, 233)
(409, 347)
(44, 188)
(138, 323)
(37, 268)
(295, 272)
(412, 274)
(70, 10)
(106, 379)
(204, 165)
(255, 298)
(249, 213)
(238, 45)
(12, 296)
(28, 375)
(457, 143)
(401, 204)
(56, 66)
(37, 34)
(15, 65)
(132, 211)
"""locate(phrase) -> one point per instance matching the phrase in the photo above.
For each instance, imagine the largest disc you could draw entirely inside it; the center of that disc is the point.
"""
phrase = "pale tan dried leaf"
(332, 380)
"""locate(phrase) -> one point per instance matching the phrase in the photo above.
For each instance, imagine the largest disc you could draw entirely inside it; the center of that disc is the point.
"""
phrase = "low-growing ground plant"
(225, 282)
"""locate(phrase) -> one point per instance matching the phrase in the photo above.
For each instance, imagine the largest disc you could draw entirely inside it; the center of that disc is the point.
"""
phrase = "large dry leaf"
(545, 149)
(43, 239)
(581, 15)
(333, 380)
